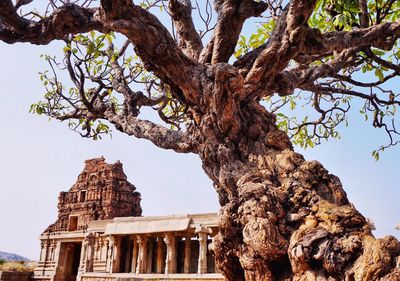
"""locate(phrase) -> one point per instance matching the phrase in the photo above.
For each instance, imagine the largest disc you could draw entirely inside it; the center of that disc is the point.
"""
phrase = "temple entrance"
(69, 260)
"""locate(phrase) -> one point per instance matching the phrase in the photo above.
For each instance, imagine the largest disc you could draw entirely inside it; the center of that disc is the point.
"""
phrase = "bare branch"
(364, 84)
(382, 115)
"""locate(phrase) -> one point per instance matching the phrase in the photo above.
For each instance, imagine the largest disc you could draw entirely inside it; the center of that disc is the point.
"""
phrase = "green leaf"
(379, 74)
(90, 48)
(375, 154)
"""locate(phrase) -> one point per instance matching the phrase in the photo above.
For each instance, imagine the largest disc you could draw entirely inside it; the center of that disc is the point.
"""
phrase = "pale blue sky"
(41, 158)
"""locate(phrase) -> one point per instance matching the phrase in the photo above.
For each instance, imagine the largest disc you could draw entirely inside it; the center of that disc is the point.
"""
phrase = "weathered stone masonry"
(101, 192)
(99, 235)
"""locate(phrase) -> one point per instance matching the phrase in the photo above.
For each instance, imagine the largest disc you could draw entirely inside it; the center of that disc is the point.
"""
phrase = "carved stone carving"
(101, 192)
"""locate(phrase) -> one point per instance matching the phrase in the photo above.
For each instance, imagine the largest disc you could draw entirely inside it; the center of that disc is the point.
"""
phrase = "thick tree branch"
(231, 16)
(364, 19)
(302, 77)
(152, 41)
(317, 44)
(157, 134)
(160, 136)
(188, 38)
(381, 36)
(155, 46)
(68, 19)
(281, 49)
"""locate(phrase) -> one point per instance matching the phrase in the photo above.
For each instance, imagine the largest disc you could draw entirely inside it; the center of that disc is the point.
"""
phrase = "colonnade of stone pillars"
(49, 251)
(166, 262)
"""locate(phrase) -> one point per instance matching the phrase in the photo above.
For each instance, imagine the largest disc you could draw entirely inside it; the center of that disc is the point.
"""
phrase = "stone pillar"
(188, 254)
(56, 254)
(116, 255)
(170, 261)
(109, 256)
(141, 264)
(82, 263)
(88, 253)
(46, 253)
(52, 250)
(149, 263)
(202, 267)
(97, 249)
(134, 254)
(43, 250)
(160, 254)
(104, 249)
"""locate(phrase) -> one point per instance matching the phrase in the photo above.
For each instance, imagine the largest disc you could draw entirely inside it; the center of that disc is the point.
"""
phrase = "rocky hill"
(12, 257)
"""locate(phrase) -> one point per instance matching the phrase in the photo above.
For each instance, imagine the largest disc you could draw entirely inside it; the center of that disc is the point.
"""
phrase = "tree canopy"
(342, 45)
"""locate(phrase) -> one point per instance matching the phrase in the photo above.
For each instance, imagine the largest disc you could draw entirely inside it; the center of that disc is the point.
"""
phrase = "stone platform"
(150, 277)
(15, 276)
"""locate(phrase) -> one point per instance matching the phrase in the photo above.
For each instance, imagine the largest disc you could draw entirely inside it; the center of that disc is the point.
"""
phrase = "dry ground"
(18, 266)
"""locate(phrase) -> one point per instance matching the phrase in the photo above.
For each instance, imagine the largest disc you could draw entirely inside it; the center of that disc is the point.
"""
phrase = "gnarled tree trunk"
(282, 217)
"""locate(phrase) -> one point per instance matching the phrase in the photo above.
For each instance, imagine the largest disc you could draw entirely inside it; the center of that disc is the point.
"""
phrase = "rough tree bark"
(282, 217)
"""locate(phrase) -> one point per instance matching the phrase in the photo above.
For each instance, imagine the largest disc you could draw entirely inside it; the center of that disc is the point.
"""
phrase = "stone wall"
(15, 276)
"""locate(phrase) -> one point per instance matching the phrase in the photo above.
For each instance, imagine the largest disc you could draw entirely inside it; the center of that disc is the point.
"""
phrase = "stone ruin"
(101, 192)
(100, 235)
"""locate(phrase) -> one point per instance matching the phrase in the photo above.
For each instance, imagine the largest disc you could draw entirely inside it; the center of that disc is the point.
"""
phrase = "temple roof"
(147, 226)
(156, 224)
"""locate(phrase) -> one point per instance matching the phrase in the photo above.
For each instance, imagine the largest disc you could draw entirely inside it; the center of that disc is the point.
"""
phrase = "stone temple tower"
(101, 192)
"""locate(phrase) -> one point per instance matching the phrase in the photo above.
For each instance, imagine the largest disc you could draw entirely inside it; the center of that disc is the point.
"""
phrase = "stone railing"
(96, 278)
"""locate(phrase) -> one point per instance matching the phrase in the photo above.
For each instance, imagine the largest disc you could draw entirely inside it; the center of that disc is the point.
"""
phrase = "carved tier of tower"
(101, 192)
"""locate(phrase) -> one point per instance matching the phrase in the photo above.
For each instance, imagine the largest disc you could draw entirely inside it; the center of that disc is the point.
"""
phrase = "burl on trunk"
(282, 217)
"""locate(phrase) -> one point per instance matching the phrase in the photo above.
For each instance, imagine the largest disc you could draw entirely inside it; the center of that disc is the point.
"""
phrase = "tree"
(282, 218)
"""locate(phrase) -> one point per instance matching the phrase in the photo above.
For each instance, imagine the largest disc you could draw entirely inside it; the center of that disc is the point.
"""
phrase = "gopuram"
(100, 235)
